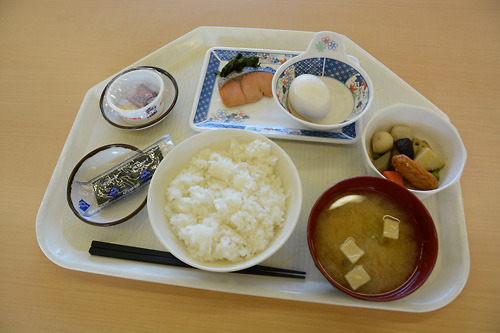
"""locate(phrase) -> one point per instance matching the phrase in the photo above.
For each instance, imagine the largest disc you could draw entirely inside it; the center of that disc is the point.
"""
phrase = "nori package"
(123, 179)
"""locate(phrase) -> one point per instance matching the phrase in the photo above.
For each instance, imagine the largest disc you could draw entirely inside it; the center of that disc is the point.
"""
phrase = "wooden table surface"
(52, 52)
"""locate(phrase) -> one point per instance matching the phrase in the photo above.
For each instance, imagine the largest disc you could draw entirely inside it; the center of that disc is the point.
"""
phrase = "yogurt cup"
(137, 96)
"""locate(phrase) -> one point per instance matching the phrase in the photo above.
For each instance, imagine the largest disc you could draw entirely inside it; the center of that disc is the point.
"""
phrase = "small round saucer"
(172, 92)
(92, 165)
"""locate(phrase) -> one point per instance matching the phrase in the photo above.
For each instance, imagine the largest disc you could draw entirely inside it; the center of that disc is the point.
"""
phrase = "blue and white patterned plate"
(263, 116)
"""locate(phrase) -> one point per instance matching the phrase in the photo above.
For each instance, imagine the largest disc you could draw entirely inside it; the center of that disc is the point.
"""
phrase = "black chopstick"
(118, 251)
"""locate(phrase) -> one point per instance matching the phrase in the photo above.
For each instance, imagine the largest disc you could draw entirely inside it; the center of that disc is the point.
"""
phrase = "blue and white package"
(122, 180)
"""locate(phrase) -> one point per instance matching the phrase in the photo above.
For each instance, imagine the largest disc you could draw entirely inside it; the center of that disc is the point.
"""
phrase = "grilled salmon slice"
(246, 87)
(232, 94)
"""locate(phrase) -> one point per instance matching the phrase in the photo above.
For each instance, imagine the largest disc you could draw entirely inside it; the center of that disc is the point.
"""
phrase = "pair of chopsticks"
(126, 252)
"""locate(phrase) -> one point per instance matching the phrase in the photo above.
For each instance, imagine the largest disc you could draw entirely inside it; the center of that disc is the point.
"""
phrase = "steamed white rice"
(227, 204)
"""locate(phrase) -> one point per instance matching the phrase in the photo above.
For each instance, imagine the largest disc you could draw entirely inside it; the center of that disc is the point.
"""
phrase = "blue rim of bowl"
(160, 71)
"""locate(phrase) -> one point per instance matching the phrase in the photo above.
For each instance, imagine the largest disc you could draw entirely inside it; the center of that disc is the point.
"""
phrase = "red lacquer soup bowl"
(347, 230)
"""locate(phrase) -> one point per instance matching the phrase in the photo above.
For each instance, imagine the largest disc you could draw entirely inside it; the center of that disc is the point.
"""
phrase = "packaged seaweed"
(122, 180)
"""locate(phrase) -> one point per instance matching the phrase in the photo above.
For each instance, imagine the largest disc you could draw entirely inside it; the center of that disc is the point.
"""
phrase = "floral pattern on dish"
(326, 43)
(228, 117)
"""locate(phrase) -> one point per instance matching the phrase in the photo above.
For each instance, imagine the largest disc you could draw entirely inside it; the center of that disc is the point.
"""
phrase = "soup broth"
(360, 216)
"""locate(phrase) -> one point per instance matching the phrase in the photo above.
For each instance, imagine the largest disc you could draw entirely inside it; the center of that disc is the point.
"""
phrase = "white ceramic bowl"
(180, 156)
(429, 125)
(350, 86)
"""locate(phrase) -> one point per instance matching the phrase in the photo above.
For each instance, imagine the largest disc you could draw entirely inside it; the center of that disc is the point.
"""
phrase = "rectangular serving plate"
(66, 240)
(263, 116)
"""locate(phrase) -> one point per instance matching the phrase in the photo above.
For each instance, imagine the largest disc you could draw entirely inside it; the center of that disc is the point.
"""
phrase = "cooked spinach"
(237, 64)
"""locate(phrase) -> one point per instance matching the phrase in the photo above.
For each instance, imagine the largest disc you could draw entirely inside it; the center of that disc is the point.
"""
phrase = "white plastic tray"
(65, 239)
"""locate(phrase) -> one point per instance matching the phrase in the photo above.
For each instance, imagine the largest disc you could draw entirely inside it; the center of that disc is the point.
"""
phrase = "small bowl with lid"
(139, 97)
(323, 88)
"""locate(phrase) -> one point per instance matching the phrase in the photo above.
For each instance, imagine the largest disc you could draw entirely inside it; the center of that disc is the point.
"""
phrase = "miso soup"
(359, 216)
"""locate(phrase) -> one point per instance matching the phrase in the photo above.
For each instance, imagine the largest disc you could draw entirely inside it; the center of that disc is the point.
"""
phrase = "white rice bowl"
(225, 200)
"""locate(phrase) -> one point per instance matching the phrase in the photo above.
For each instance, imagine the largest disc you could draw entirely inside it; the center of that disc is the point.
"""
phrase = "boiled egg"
(310, 97)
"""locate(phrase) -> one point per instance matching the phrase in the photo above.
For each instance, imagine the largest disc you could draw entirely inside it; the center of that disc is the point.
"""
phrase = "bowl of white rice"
(225, 200)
